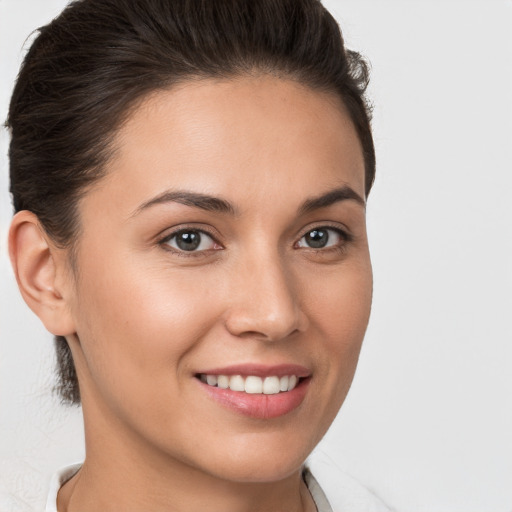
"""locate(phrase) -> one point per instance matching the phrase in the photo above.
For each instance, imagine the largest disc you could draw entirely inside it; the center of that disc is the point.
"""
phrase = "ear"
(41, 272)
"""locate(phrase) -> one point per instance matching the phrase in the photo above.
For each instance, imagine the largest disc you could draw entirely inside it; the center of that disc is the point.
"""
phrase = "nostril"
(252, 334)
(256, 323)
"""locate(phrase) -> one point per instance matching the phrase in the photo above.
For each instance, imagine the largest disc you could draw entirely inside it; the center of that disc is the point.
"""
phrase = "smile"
(252, 384)
(257, 391)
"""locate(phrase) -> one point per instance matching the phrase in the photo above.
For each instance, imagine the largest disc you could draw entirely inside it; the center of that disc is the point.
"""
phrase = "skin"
(142, 318)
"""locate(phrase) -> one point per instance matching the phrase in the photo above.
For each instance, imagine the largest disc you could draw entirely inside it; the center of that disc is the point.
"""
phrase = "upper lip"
(260, 370)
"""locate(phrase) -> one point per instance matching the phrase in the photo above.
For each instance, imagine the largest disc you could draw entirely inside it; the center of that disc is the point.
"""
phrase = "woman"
(190, 182)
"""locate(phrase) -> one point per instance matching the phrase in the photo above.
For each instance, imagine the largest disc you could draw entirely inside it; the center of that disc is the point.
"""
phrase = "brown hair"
(88, 68)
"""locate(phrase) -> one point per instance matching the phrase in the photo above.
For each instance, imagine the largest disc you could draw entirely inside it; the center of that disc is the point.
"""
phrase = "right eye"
(190, 240)
(322, 238)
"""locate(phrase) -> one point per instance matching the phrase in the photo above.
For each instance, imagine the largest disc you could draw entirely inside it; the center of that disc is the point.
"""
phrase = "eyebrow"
(218, 205)
(344, 193)
(187, 198)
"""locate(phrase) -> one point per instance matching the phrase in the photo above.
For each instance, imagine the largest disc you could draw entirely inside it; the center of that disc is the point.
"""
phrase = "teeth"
(271, 385)
(236, 383)
(292, 382)
(223, 381)
(252, 384)
(211, 380)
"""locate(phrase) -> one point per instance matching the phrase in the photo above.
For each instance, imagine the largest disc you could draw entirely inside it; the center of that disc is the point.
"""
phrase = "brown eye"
(321, 238)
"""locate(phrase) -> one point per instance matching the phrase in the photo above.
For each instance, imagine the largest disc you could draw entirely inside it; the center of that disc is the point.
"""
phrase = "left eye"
(190, 240)
(321, 238)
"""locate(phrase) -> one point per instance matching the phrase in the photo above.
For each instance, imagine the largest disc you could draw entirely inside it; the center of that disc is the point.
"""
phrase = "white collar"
(57, 481)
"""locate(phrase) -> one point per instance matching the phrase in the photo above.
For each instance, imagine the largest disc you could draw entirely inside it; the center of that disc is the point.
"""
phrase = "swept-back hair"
(90, 67)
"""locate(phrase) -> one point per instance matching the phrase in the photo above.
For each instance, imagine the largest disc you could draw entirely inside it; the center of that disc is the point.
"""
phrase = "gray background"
(428, 422)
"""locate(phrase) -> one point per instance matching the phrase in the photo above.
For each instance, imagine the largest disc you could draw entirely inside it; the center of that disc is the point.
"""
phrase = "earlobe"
(37, 266)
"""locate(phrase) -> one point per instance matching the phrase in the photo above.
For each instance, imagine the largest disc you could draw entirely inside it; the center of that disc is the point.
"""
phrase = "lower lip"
(259, 405)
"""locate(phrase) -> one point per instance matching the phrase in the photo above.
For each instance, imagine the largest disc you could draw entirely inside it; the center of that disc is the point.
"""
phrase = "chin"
(264, 472)
(262, 461)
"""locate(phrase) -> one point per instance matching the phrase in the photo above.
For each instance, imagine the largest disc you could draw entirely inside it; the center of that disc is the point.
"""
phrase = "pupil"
(317, 238)
(188, 240)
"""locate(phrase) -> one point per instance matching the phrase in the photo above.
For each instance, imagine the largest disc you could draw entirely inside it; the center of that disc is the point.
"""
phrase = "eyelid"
(340, 228)
(169, 233)
(345, 238)
(192, 226)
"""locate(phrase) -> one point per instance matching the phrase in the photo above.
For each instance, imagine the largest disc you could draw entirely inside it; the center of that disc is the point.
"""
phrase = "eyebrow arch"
(187, 198)
(216, 204)
(334, 196)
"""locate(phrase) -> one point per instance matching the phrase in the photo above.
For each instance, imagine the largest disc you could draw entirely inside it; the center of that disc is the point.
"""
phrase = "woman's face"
(226, 244)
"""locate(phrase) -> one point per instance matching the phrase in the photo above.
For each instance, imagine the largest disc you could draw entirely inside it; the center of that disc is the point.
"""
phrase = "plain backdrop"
(428, 423)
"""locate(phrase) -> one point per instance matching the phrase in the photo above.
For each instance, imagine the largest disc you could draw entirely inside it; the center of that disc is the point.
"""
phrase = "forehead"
(252, 136)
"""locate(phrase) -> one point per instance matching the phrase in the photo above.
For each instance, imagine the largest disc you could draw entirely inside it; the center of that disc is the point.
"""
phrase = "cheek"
(339, 311)
(136, 320)
(340, 303)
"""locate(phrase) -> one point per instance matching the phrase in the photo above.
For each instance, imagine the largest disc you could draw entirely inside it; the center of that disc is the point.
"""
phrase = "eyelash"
(345, 236)
(164, 242)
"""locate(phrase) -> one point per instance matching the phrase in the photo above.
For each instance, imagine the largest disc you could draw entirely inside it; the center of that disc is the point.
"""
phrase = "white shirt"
(353, 497)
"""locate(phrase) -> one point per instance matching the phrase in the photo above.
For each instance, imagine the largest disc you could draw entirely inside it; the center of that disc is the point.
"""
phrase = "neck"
(111, 489)
(123, 474)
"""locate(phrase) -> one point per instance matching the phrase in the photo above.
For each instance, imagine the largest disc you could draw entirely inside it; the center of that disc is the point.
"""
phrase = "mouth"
(255, 391)
(252, 384)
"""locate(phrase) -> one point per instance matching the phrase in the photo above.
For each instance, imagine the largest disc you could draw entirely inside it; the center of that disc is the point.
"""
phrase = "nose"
(264, 301)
